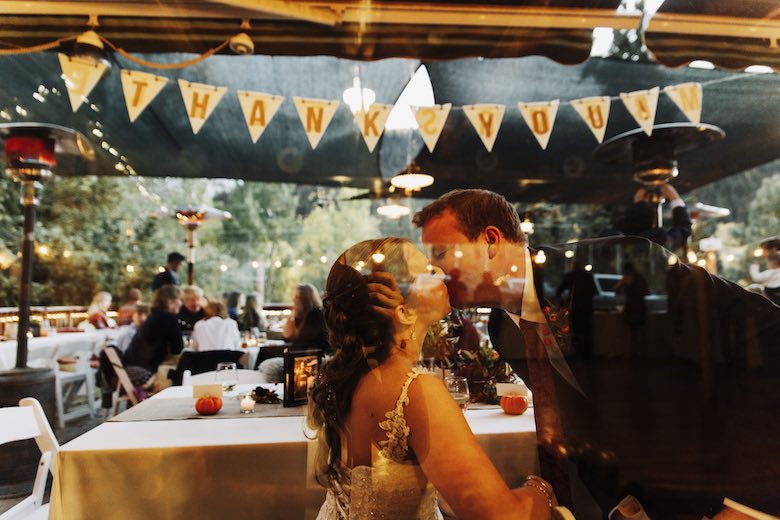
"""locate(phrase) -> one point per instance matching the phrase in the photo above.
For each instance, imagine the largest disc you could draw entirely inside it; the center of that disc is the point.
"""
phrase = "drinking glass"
(458, 388)
(227, 375)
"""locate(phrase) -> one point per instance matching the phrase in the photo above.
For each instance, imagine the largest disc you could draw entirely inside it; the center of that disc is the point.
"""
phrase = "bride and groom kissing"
(390, 438)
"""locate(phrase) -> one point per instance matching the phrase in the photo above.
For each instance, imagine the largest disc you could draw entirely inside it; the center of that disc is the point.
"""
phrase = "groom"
(688, 419)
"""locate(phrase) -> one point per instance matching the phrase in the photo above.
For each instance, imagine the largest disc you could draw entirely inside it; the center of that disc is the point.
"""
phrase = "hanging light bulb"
(413, 179)
(358, 98)
(393, 210)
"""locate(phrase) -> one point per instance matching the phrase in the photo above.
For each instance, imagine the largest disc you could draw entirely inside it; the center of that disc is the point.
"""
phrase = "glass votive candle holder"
(247, 403)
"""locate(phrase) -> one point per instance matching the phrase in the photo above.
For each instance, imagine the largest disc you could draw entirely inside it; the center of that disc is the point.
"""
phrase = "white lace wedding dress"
(394, 488)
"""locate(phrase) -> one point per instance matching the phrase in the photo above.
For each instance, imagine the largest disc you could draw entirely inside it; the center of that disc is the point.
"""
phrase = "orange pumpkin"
(208, 405)
(513, 404)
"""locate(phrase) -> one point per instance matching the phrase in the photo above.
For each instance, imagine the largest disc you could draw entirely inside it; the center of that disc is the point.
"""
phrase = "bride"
(391, 440)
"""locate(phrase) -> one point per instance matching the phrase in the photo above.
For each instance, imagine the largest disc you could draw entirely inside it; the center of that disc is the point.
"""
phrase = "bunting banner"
(140, 89)
(200, 100)
(258, 108)
(315, 115)
(642, 104)
(540, 118)
(486, 120)
(595, 112)
(430, 121)
(372, 123)
(687, 96)
(80, 77)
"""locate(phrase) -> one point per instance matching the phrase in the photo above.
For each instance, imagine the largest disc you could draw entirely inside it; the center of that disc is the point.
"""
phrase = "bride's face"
(428, 295)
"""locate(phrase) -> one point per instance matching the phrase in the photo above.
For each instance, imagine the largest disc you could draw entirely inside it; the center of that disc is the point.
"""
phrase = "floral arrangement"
(264, 396)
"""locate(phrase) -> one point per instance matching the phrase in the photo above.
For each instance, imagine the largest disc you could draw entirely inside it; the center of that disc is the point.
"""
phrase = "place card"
(204, 390)
(511, 388)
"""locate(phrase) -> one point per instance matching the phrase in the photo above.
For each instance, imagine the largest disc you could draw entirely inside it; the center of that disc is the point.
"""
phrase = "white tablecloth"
(255, 468)
(67, 344)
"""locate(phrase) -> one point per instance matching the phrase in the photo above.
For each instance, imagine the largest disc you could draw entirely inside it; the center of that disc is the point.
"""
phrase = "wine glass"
(227, 375)
(458, 388)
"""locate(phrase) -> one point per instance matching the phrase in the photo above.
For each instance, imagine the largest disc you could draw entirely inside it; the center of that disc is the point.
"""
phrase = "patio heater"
(31, 151)
(655, 156)
(191, 218)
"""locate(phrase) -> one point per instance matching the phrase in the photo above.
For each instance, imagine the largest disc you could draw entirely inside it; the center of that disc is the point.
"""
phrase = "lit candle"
(247, 404)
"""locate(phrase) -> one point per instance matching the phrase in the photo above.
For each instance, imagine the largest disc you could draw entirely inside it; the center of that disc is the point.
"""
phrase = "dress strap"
(396, 446)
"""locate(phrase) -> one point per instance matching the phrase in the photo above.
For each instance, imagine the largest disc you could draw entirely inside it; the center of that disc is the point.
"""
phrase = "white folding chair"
(27, 421)
(124, 387)
(244, 376)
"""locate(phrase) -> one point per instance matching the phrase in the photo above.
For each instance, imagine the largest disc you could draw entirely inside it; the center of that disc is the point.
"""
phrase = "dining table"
(148, 463)
(40, 349)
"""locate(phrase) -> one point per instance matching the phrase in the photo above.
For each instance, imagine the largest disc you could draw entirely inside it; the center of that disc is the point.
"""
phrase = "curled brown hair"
(163, 296)
(475, 210)
(360, 337)
(215, 308)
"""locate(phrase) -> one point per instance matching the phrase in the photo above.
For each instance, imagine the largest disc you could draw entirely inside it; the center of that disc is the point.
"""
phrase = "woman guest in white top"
(216, 331)
(770, 278)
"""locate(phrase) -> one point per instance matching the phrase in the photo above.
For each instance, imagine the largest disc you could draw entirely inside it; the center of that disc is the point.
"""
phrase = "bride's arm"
(456, 464)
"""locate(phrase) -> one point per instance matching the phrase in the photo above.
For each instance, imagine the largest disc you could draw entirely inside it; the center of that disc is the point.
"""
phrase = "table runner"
(176, 409)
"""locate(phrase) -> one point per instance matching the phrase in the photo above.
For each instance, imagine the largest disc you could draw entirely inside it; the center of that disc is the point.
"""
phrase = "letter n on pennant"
(315, 115)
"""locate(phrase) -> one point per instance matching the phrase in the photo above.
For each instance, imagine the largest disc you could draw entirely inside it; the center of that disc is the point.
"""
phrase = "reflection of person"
(681, 435)
(159, 336)
(770, 278)
(251, 317)
(126, 311)
(191, 310)
(168, 276)
(98, 309)
(634, 286)
(305, 325)
(641, 220)
(396, 466)
(580, 304)
(215, 331)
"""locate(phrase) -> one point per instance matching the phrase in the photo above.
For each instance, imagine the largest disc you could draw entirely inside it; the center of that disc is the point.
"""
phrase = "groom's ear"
(493, 238)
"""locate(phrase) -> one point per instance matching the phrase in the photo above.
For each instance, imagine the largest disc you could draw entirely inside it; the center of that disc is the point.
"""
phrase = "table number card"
(511, 388)
(204, 390)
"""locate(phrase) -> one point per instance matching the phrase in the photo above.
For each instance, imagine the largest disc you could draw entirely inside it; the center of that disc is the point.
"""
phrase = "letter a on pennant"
(140, 89)
(315, 115)
(641, 104)
(200, 101)
(540, 118)
(595, 112)
(486, 120)
(372, 123)
(259, 108)
(81, 76)
(431, 122)
(687, 96)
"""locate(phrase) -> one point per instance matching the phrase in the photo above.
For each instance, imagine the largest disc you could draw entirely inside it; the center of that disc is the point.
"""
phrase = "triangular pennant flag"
(431, 122)
(372, 123)
(315, 115)
(140, 89)
(486, 120)
(688, 97)
(642, 104)
(80, 75)
(259, 108)
(200, 100)
(540, 118)
(595, 112)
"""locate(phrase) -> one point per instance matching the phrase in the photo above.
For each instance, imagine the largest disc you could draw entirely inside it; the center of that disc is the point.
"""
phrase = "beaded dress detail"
(394, 487)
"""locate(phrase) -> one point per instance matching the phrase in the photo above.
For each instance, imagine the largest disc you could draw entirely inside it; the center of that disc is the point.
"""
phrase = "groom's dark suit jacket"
(682, 412)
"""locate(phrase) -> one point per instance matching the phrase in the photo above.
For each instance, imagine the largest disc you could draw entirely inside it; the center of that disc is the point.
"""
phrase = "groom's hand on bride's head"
(383, 292)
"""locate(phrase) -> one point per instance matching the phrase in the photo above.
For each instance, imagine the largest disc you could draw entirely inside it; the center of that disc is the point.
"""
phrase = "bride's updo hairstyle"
(360, 337)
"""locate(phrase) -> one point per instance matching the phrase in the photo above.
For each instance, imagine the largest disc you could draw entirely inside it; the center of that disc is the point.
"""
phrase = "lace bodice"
(394, 487)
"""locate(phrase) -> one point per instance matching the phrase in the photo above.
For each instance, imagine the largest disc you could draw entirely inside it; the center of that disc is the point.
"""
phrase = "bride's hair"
(360, 336)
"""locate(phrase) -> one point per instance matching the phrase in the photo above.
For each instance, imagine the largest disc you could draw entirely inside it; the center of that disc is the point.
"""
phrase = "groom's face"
(463, 260)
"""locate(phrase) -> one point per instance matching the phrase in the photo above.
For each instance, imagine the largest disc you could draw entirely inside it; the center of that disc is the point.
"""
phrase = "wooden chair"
(28, 421)
(244, 377)
(124, 387)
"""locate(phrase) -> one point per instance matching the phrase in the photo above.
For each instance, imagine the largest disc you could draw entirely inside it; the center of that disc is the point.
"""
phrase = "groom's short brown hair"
(475, 210)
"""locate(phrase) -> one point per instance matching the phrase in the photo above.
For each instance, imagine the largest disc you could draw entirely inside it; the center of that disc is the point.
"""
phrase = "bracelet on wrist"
(536, 485)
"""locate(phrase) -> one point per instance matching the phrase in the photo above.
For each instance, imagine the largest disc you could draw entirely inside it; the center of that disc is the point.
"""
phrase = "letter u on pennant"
(200, 101)
(641, 104)
(595, 112)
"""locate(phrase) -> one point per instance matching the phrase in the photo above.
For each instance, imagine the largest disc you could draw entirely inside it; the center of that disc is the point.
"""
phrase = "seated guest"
(97, 311)
(191, 309)
(232, 305)
(771, 277)
(139, 316)
(126, 311)
(215, 331)
(305, 325)
(251, 317)
(159, 336)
